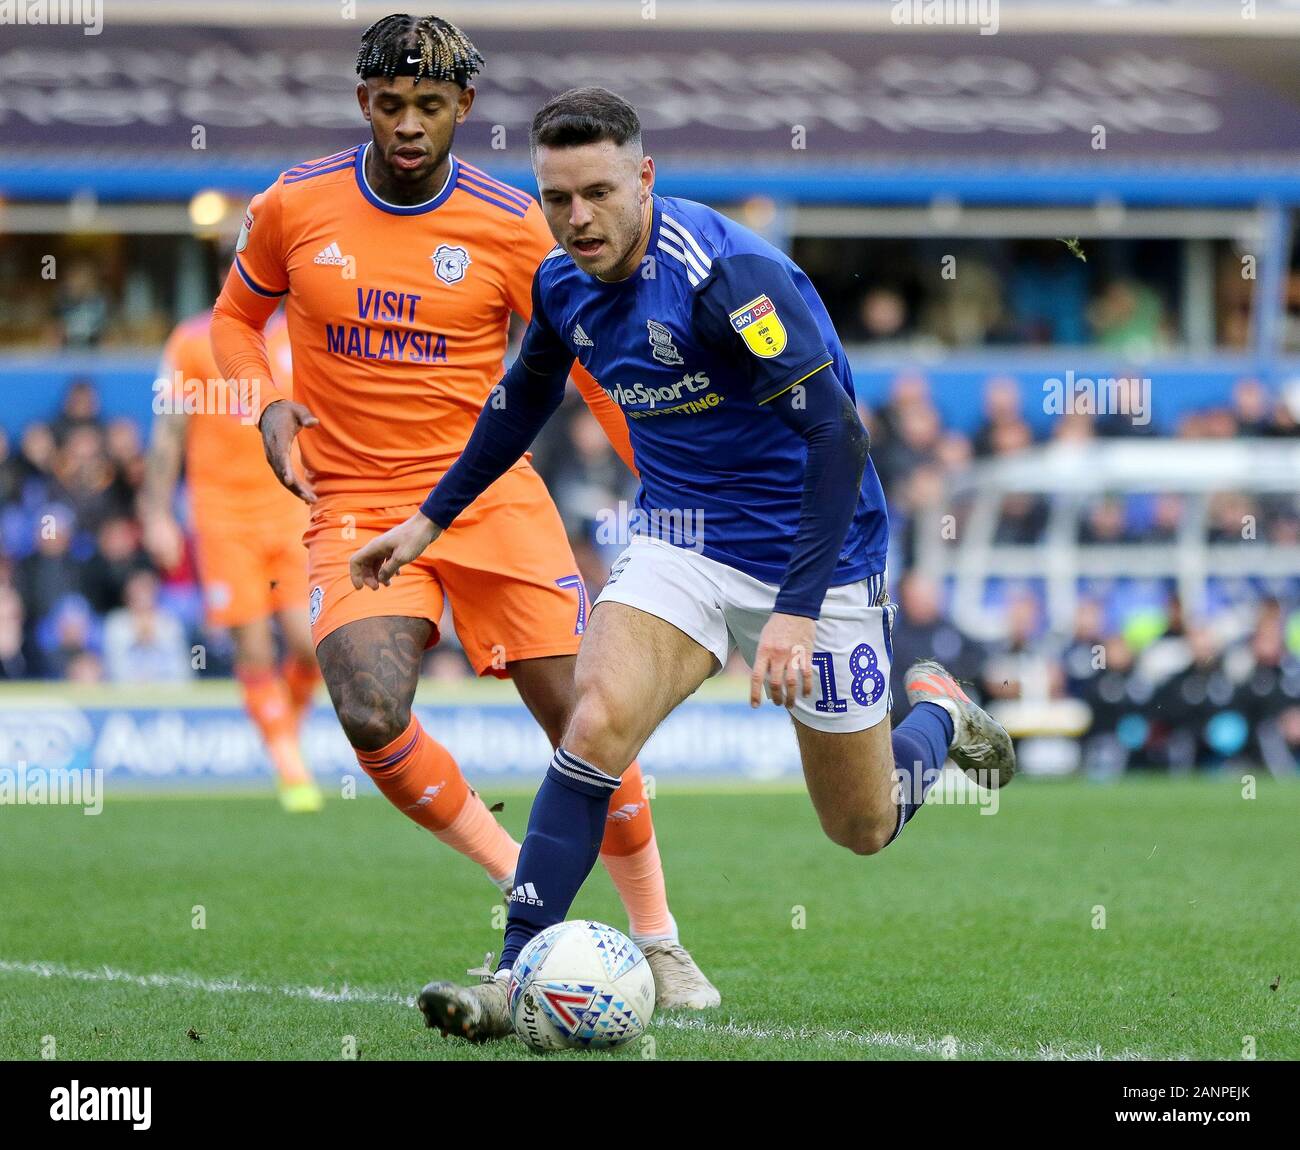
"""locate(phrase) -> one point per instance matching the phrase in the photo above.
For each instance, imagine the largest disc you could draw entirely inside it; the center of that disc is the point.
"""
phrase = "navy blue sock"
(920, 747)
(565, 830)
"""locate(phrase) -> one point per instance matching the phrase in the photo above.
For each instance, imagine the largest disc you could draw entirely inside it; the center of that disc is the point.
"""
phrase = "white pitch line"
(884, 1039)
(876, 1039)
(194, 982)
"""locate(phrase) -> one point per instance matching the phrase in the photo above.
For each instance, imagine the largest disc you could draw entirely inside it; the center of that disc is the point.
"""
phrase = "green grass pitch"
(971, 937)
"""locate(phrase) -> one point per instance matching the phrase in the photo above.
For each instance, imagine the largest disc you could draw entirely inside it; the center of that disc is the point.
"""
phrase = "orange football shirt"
(398, 318)
(225, 465)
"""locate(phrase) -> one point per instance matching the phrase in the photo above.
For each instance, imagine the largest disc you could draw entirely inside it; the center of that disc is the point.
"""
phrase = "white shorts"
(720, 607)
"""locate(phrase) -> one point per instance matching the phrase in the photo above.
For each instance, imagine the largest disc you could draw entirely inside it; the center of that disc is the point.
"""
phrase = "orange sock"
(631, 855)
(421, 779)
(301, 676)
(266, 699)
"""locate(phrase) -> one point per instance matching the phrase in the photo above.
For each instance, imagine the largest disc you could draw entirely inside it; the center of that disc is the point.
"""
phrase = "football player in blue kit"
(768, 526)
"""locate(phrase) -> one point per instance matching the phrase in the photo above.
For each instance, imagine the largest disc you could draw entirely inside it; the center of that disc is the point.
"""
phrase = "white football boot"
(980, 744)
(477, 1012)
(679, 983)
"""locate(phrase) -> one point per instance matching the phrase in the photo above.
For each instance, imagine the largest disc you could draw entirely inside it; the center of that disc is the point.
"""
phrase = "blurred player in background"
(248, 539)
(402, 265)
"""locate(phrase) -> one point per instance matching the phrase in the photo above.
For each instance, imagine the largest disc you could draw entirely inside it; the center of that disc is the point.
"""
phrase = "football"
(580, 985)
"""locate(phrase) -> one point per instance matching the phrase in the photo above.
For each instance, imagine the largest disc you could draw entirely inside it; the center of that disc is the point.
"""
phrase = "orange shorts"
(505, 567)
(249, 570)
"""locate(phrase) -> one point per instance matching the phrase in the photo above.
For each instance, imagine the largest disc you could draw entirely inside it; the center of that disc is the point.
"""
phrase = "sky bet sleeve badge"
(761, 327)
(242, 242)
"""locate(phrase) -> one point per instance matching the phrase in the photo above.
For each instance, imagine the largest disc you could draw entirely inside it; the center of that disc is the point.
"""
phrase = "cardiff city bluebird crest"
(449, 263)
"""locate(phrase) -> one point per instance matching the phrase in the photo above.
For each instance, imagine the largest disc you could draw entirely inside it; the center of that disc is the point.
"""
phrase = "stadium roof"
(729, 112)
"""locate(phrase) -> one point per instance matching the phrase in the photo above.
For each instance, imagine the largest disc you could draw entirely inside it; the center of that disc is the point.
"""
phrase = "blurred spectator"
(1118, 697)
(1132, 415)
(963, 311)
(1267, 679)
(67, 632)
(1022, 519)
(50, 573)
(11, 472)
(912, 441)
(82, 306)
(922, 631)
(16, 660)
(1234, 518)
(119, 556)
(1048, 294)
(80, 408)
(1003, 408)
(1166, 519)
(590, 479)
(882, 316)
(84, 476)
(38, 451)
(1019, 666)
(1192, 706)
(1128, 317)
(1103, 522)
(143, 644)
(1251, 407)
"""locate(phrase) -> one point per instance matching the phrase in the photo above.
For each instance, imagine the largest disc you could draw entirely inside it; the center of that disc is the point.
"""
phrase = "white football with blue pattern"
(580, 985)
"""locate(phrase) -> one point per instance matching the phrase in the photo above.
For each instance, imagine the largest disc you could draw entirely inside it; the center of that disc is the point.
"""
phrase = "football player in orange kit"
(247, 530)
(401, 265)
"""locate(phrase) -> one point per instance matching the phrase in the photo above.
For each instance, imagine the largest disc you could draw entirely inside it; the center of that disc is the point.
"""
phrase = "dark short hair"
(585, 116)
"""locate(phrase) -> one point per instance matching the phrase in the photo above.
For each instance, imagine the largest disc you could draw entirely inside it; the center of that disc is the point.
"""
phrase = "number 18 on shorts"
(720, 607)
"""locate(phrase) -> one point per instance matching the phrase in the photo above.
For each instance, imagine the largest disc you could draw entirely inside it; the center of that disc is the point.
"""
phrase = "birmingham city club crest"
(661, 343)
(449, 263)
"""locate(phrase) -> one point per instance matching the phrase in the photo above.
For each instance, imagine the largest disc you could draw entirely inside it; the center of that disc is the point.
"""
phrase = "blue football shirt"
(716, 323)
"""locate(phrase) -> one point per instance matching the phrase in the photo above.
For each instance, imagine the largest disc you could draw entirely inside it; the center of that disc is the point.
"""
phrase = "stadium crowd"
(80, 601)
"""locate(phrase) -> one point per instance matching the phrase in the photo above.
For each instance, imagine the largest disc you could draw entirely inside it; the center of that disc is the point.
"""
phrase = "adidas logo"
(581, 338)
(430, 793)
(625, 813)
(331, 256)
(525, 893)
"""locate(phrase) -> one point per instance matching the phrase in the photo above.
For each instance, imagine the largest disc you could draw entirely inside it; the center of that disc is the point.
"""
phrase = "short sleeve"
(752, 306)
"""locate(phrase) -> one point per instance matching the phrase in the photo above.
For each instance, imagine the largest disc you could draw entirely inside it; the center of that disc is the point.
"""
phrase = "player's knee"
(863, 835)
(370, 726)
(600, 727)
